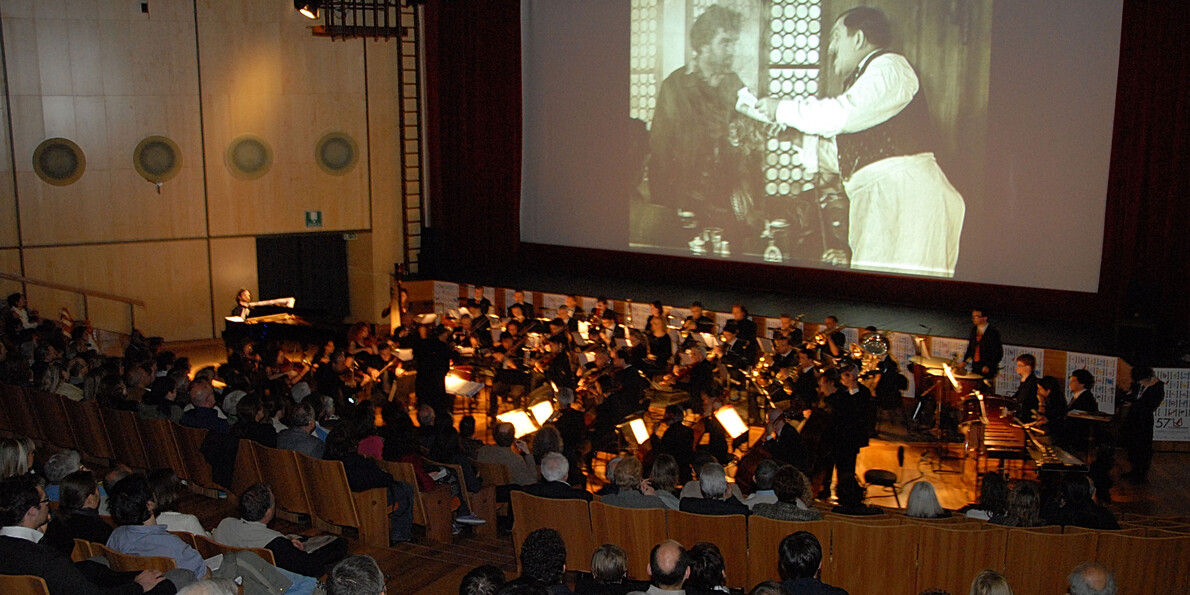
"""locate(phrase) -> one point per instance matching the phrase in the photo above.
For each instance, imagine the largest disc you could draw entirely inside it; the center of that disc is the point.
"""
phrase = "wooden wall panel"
(104, 84)
(384, 107)
(233, 267)
(263, 73)
(171, 277)
(360, 285)
(10, 262)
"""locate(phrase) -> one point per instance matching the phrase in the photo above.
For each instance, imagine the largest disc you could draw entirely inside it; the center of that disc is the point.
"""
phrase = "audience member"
(16, 457)
(257, 510)
(77, 516)
(299, 436)
(1079, 508)
(708, 574)
(768, 588)
(252, 423)
(609, 572)
(211, 586)
(923, 502)
(356, 575)
(138, 534)
(512, 453)
(202, 412)
(1024, 507)
(799, 558)
(990, 582)
(364, 474)
(482, 580)
(60, 464)
(554, 471)
(693, 489)
(993, 498)
(717, 497)
(669, 568)
(160, 401)
(791, 487)
(543, 561)
(763, 476)
(1091, 578)
(664, 479)
(631, 491)
(167, 489)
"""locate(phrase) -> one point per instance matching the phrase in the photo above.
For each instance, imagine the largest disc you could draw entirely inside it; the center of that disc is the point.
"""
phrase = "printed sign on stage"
(1103, 368)
(1171, 422)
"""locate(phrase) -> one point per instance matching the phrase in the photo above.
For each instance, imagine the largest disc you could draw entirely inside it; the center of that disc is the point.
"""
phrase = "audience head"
(256, 503)
(923, 502)
(799, 556)
(664, 476)
(202, 394)
(302, 416)
(482, 580)
(1091, 578)
(15, 457)
(543, 557)
(75, 491)
(766, 470)
(355, 575)
(467, 426)
(669, 564)
(707, 570)
(167, 488)
(990, 582)
(1076, 490)
(504, 434)
(210, 586)
(768, 588)
(129, 500)
(425, 416)
(1024, 505)
(789, 484)
(712, 480)
(609, 471)
(62, 463)
(545, 441)
(555, 467)
(628, 473)
(993, 493)
(609, 564)
(22, 503)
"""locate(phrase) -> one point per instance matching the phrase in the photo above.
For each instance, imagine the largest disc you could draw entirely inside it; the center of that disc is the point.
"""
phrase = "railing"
(84, 293)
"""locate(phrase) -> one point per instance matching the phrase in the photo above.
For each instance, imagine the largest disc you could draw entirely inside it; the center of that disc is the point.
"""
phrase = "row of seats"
(122, 436)
(890, 555)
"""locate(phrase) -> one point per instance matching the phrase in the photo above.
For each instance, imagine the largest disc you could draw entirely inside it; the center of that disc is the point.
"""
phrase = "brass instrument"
(821, 337)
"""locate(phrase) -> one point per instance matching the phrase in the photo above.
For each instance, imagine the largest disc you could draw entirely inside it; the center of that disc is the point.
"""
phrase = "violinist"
(789, 330)
(511, 378)
(602, 305)
(559, 330)
(609, 331)
(677, 441)
(698, 321)
(697, 377)
(362, 345)
(557, 367)
(517, 315)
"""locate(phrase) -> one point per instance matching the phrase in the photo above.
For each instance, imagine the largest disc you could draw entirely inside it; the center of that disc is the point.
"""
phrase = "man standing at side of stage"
(984, 349)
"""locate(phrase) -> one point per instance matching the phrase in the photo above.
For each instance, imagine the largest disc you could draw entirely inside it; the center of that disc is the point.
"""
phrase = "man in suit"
(745, 323)
(24, 514)
(717, 498)
(1026, 394)
(554, 469)
(1137, 432)
(1078, 431)
(698, 321)
(299, 436)
(677, 441)
(984, 349)
(518, 299)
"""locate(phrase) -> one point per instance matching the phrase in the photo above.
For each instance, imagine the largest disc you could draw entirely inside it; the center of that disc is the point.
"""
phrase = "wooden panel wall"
(388, 230)
(263, 73)
(171, 277)
(10, 262)
(233, 267)
(104, 79)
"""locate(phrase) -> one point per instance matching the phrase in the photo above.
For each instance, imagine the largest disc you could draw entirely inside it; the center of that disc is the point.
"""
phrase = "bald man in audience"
(203, 414)
(1091, 578)
(669, 567)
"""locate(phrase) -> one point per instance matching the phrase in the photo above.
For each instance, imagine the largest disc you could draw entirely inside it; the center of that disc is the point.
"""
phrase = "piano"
(277, 320)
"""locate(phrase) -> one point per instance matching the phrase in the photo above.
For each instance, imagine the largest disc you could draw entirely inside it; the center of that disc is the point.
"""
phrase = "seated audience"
(993, 498)
(790, 487)
(631, 491)
(167, 488)
(482, 580)
(923, 503)
(160, 401)
(24, 513)
(990, 582)
(609, 572)
(1091, 578)
(669, 568)
(299, 436)
(252, 423)
(77, 516)
(693, 489)
(1078, 507)
(60, 464)
(356, 575)
(257, 510)
(609, 478)
(203, 413)
(138, 534)
(717, 497)
(554, 471)
(364, 474)
(708, 575)
(211, 586)
(16, 457)
(768, 588)
(543, 562)
(512, 453)
(799, 558)
(664, 479)
(763, 476)
(1024, 507)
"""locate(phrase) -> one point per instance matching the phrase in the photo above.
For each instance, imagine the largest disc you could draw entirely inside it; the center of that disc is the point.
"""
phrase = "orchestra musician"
(1136, 433)
(696, 378)
(511, 377)
(806, 386)
(833, 340)
(717, 437)
(242, 309)
(609, 331)
(677, 441)
(698, 321)
(1078, 431)
(558, 329)
(789, 330)
(737, 356)
(568, 319)
(984, 349)
(783, 441)
(747, 326)
(656, 310)
(575, 310)
(1025, 396)
(602, 305)
(784, 365)
(558, 370)
(658, 348)
(433, 355)
(518, 299)
(479, 301)
(846, 432)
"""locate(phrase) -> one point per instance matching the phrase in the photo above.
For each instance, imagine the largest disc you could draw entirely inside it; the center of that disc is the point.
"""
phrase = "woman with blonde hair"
(990, 582)
(923, 502)
(16, 457)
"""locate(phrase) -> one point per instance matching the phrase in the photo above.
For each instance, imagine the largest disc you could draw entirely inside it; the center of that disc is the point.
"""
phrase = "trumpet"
(821, 337)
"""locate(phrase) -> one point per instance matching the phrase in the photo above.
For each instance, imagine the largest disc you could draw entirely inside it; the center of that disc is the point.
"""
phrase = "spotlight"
(308, 8)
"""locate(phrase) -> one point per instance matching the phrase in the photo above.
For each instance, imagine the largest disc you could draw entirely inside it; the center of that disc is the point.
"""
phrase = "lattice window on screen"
(794, 59)
(643, 75)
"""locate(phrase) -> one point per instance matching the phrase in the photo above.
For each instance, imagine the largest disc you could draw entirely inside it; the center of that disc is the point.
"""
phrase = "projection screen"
(959, 139)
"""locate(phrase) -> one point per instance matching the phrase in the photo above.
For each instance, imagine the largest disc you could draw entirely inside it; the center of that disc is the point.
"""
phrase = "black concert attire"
(984, 349)
(890, 385)
(678, 442)
(810, 586)
(241, 310)
(1077, 432)
(661, 348)
(848, 430)
(788, 448)
(556, 490)
(607, 336)
(560, 372)
(714, 506)
(1025, 398)
(483, 305)
(747, 328)
(510, 372)
(697, 380)
(794, 335)
(526, 309)
(784, 389)
(433, 363)
(1136, 433)
(703, 324)
(806, 386)
(716, 445)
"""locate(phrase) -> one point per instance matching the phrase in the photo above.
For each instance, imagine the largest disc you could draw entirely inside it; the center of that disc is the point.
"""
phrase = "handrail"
(79, 290)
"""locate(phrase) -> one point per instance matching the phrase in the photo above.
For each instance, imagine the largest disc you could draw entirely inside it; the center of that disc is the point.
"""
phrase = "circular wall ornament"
(59, 162)
(336, 153)
(157, 159)
(249, 156)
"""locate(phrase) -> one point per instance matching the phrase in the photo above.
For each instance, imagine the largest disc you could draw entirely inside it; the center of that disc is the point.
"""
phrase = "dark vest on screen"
(907, 133)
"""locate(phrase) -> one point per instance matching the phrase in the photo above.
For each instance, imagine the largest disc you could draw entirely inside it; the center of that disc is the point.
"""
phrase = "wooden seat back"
(570, 518)
(279, 469)
(764, 537)
(161, 449)
(432, 509)
(23, 584)
(496, 474)
(195, 468)
(89, 428)
(247, 471)
(188, 537)
(51, 415)
(730, 533)
(81, 551)
(128, 446)
(952, 556)
(208, 547)
(24, 421)
(855, 546)
(335, 506)
(1039, 561)
(1145, 564)
(127, 563)
(637, 531)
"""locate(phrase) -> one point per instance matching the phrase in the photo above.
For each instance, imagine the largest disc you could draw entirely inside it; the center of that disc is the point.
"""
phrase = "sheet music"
(1103, 368)
(446, 296)
(550, 302)
(947, 347)
(1171, 421)
(1007, 381)
(640, 314)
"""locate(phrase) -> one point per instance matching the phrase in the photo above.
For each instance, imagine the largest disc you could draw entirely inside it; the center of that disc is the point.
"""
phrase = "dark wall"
(473, 66)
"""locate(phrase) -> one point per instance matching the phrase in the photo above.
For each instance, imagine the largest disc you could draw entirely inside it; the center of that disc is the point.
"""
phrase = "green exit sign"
(313, 218)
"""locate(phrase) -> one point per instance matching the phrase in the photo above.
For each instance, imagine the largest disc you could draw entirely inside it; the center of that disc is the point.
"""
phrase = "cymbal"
(967, 376)
(928, 362)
